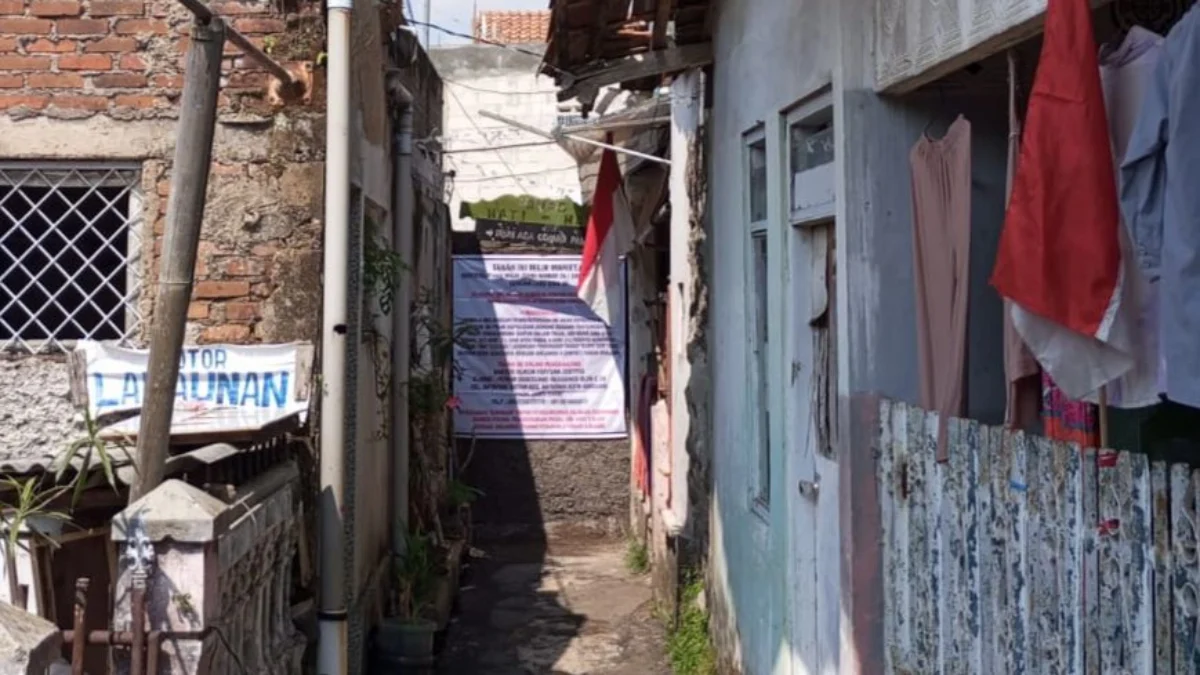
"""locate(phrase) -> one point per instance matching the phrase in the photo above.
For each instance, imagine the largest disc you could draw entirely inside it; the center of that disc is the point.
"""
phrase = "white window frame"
(133, 322)
(761, 477)
(819, 182)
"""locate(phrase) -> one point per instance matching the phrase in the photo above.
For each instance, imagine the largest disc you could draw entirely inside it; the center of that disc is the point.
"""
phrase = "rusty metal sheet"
(1160, 497)
(1091, 569)
(1185, 575)
(1126, 585)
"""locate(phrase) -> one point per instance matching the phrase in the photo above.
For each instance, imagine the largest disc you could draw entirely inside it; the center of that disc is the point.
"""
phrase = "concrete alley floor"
(563, 607)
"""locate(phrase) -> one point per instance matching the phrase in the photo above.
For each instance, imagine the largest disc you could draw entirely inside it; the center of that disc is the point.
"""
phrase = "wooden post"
(185, 212)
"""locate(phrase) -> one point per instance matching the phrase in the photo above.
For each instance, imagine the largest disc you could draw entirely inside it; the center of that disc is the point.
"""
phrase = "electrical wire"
(488, 148)
(474, 38)
(517, 176)
(482, 90)
(483, 136)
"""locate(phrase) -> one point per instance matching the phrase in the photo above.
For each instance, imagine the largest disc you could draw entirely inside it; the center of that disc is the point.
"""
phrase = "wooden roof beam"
(640, 66)
(662, 18)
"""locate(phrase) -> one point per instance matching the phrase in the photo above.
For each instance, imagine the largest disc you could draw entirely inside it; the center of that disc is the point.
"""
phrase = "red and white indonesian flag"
(609, 236)
(1060, 255)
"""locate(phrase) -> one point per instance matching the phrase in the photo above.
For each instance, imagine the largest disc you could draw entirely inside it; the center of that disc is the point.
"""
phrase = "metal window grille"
(67, 239)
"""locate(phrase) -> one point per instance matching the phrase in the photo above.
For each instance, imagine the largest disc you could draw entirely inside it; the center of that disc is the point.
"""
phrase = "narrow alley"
(568, 606)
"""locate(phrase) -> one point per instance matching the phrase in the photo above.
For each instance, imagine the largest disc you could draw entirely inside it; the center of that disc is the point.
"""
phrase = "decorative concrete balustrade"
(218, 575)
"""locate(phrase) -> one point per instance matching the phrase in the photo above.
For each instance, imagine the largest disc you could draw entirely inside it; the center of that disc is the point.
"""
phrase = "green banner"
(525, 209)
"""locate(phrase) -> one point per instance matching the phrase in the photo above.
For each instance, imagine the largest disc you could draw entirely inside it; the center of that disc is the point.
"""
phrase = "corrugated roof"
(513, 27)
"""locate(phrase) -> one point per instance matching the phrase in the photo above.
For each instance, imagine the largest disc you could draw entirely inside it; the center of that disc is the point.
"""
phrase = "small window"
(756, 156)
(760, 336)
(67, 234)
(811, 181)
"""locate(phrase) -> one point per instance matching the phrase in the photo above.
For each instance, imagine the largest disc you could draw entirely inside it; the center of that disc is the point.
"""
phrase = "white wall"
(485, 77)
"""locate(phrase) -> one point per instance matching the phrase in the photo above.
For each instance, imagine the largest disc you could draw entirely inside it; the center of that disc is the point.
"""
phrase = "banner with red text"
(534, 360)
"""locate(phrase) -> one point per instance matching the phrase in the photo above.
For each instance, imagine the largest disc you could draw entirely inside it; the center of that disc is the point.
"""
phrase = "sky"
(456, 14)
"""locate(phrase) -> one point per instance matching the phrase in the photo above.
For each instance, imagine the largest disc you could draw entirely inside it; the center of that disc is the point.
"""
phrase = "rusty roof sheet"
(509, 27)
(585, 34)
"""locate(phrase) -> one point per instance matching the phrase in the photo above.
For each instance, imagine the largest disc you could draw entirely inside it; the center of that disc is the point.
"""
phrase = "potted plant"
(404, 640)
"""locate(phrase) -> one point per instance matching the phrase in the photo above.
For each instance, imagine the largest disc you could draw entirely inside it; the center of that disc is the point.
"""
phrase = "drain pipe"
(402, 245)
(332, 645)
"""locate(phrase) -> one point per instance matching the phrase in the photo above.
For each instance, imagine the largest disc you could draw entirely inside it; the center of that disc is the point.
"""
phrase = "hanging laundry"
(941, 185)
(1059, 259)
(1124, 71)
(1066, 420)
(1161, 203)
(1024, 387)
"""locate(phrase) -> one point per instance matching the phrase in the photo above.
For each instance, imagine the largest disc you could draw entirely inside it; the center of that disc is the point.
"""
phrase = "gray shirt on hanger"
(1160, 199)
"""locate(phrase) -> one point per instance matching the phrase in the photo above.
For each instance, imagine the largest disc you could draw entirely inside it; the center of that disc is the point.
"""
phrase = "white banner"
(211, 376)
(537, 362)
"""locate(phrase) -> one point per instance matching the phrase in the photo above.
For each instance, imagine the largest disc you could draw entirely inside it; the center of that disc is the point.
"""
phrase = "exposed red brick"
(260, 25)
(12, 6)
(11, 82)
(138, 101)
(218, 169)
(248, 80)
(119, 80)
(84, 62)
(133, 62)
(9, 45)
(167, 81)
(55, 8)
(36, 102)
(264, 250)
(243, 267)
(111, 44)
(54, 81)
(240, 8)
(226, 333)
(24, 63)
(198, 310)
(81, 26)
(116, 8)
(44, 46)
(141, 27)
(222, 289)
(241, 311)
(22, 26)
(163, 188)
(76, 102)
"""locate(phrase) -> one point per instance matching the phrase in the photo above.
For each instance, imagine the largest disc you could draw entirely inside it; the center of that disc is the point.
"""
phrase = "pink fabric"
(941, 185)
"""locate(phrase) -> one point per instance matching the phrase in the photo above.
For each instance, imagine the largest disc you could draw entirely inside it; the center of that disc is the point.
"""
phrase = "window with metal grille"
(67, 233)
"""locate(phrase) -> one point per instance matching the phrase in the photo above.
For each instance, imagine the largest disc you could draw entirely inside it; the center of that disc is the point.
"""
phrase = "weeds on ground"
(637, 556)
(688, 645)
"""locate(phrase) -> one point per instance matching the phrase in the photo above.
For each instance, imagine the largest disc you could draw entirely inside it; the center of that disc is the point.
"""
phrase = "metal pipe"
(153, 648)
(402, 246)
(332, 636)
(251, 50)
(185, 213)
(559, 136)
(78, 646)
(137, 649)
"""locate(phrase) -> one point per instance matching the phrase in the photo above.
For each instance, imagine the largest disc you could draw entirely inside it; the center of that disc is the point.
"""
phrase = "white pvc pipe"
(333, 644)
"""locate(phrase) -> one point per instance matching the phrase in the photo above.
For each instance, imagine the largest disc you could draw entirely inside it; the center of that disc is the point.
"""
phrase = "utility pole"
(428, 21)
(185, 212)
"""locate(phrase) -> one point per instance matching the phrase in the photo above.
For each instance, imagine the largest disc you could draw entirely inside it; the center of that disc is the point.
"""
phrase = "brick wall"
(122, 60)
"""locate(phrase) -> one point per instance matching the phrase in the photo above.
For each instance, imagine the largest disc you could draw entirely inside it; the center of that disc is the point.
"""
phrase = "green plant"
(637, 556)
(459, 494)
(383, 268)
(413, 576)
(688, 645)
(93, 448)
(31, 502)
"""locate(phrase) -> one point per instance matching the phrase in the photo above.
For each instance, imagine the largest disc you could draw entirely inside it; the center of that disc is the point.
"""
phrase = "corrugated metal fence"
(1023, 555)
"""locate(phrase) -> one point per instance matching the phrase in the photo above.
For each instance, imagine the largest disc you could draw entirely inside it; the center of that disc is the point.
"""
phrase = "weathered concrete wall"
(503, 81)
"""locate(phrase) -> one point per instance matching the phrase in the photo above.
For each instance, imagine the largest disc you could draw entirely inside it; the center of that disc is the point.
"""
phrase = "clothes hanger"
(943, 112)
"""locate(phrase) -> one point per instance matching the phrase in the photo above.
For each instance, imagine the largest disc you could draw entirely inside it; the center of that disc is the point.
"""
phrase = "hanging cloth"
(1059, 258)
(1125, 71)
(1024, 387)
(941, 185)
(1066, 420)
(1161, 202)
